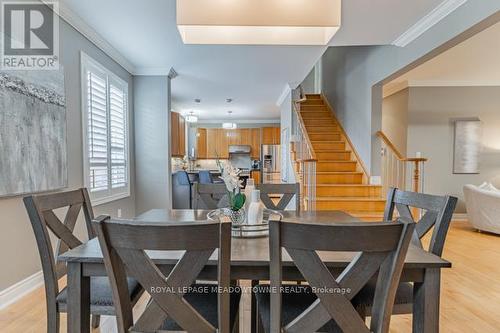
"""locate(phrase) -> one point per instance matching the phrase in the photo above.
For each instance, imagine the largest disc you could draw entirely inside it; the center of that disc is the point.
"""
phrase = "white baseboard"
(13, 293)
(461, 217)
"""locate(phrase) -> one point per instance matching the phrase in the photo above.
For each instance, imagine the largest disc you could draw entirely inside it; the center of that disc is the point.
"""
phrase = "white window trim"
(86, 61)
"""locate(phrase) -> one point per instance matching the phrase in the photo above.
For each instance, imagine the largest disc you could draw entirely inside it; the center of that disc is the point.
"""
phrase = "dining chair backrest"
(209, 196)
(43, 219)
(181, 191)
(382, 248)
(124, 245)
(438, 212)
(287, 192)
(205, 177)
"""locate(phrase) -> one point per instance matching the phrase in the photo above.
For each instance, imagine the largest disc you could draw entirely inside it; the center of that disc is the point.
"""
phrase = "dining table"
(250, 261)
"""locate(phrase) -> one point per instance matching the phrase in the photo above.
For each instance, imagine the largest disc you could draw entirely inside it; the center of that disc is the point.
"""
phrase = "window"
(105, 132)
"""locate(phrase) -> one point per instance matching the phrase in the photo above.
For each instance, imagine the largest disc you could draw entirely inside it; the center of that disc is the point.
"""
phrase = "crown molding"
(428, 21)
(286, 90)
(87, 31)
(450, 83)
(152, 71)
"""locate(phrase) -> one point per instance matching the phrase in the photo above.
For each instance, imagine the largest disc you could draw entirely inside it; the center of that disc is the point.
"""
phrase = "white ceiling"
(145, 33)
(474, 62)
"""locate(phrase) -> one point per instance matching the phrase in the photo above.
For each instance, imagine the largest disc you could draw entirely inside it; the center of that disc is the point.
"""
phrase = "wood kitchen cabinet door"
(268, 136)
(201, 143)
(277, 135)
(245, 136)
(222, 143)
(233, 137)
(174, 133)
(212, 137)
(182, 136)
(255, 142)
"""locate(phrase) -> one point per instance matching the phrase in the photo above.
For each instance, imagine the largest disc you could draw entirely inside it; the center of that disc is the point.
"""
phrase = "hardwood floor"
(470, 300)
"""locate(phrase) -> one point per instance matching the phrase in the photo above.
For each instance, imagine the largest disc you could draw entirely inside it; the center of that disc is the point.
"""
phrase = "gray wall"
(18, 252)
(350, 75)
(430, 131)
(395, 119)
(152, 119)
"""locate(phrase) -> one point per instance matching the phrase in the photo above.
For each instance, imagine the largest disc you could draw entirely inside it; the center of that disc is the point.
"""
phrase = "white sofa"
(483, 207)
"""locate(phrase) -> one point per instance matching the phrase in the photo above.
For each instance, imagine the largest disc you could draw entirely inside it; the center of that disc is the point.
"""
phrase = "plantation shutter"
(105, 100)
(118, 142)
(97, 131)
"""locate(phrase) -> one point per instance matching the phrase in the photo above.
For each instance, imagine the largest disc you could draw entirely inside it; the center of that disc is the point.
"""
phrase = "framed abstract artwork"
(467, 146)
(32, 132)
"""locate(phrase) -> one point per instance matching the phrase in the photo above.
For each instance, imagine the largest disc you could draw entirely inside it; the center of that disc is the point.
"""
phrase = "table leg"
(78, 299)
(426, 297)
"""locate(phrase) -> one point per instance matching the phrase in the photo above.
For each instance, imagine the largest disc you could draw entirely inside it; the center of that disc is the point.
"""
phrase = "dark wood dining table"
(250, 261)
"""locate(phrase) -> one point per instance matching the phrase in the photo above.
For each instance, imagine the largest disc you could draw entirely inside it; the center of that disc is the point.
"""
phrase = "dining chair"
(437, 212)
(325, 305)
(286, 191)
(181, 190)
(41, 211)
(209, 196)
(176, 302)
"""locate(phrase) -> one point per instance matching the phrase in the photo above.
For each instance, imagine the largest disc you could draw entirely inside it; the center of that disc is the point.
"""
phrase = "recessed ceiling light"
(258, 22)
(229, 100)
(197, 100)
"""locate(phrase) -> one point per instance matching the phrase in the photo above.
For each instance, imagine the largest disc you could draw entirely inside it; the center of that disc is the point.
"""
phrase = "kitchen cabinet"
(245, 136)
(255, 175)
(177, 135)
(271, 136)
(222, 143)
(233, 137)
(212, 142)
(255, 134)
(201, 143)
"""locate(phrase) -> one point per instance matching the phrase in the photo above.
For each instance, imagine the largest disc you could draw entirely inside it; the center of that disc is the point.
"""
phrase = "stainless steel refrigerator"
(271, 164)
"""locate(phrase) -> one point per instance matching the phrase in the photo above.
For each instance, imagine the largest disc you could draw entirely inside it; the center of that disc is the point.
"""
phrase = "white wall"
(19, 256)
(152, 119)
(430, 131)
(351, 75)
(395, 119)
(286, 123)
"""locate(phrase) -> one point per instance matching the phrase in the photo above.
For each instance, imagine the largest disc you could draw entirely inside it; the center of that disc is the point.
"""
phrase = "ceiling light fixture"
(258, 22)
(229, 124)
(191, 118)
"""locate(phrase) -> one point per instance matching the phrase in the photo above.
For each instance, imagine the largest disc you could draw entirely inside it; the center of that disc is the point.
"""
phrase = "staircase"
(341, 182)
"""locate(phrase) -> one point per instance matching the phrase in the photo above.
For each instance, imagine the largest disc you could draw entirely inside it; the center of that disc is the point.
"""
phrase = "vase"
(237, 216)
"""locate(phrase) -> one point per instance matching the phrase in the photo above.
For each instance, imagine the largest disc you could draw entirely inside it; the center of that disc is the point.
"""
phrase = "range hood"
(239, 149)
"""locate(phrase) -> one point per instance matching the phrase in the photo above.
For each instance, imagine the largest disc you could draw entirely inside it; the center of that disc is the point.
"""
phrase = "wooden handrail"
(396, 152)
(306, 134)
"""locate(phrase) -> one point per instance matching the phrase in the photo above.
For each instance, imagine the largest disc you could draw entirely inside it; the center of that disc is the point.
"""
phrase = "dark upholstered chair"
(382, 249)
(40, 209)
(437, 212)
(185, 306)
(181, 191)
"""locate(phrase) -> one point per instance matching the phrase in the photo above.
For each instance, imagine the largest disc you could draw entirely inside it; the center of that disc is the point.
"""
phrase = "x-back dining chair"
(287, 192)
(437, 214)
(209, 196)
(326, 304)
(43, 219)
(173, 306)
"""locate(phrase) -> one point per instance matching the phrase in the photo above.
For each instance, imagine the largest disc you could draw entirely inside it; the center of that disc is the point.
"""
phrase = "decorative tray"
(245, 230)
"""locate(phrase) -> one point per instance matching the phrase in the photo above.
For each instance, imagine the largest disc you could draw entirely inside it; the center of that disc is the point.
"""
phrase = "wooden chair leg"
(95, 321)
(52, 320)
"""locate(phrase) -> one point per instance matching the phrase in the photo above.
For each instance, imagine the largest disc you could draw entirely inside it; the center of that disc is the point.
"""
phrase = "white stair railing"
(303, 155)
(399, 171)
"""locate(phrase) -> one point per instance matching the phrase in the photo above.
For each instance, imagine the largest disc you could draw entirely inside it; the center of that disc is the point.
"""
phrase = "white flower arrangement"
(231, 177)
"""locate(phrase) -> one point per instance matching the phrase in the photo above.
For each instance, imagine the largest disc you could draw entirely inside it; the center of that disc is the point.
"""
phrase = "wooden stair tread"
(370, 199)
(339, 173)
(348, 185)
